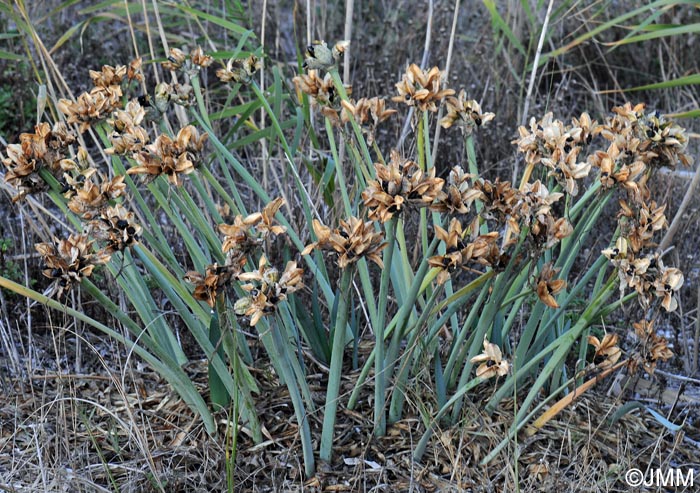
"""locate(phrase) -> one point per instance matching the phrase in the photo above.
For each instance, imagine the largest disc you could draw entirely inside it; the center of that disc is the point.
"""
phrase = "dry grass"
(117, 426)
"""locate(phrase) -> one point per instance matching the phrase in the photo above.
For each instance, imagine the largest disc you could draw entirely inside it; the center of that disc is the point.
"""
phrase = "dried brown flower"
(353, 240)
(367, 113)
(465, 114)
(88, 200)
(668, 281)
(176, 59)
(44, 148)
(128, 135)
(240, 70)
(400, 183)
(653, 346)
(482, 249)
(240, 237)
(209, 286)
(92, 106)
(547, 287)
(67, 262)
(458, 194)
(200, 59)
(421, 88)
(171, 157)
(607, 351)
(267, 289)
(492, 362)
(117, 228)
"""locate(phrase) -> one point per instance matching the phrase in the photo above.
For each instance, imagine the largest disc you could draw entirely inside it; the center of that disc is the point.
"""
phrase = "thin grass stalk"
(231, 444)
(455, 359)
(403, 253)
(484, 326)
(474, 170)
(197, 321)
(340, 175)
(303, 196)
(448, 63)
(363, 268)
(423, 165)
(158, 242)
(336, 368)
(526, 351)
(295, 362)
(218, 395)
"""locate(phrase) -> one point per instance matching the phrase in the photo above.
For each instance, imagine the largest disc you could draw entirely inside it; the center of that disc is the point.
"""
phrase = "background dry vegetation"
(79, 413)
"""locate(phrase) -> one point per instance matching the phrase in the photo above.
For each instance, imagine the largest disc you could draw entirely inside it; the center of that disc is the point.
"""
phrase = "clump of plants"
(442, 264)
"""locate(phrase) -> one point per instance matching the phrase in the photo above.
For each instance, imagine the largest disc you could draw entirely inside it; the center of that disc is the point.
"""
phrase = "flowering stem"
(423, 167)
(284, 360)
(398, 397)
(421, 280)
(356, 128)
(380, 360)
(336, 368)
(338, 169)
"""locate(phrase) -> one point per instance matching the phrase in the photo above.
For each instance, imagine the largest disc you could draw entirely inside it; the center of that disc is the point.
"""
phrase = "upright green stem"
(285, 359)
(335, 372)
(420, 135)
(474, 170)
(356, 128)
(380, 360)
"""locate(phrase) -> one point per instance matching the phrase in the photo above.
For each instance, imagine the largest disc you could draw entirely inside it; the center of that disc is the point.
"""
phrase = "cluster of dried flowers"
(105, 97)
(354, 239)
(191, 63)
(47, 148)
(239, 70)
(266, 288)
(492, 362)
(170, 157)
(637, 144)
(421, 88)
(91, 195)
(67, 262)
